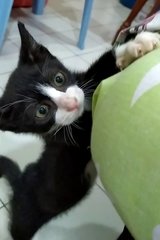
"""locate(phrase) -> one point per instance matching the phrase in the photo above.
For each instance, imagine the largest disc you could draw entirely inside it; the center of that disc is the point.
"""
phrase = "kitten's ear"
(31, 51)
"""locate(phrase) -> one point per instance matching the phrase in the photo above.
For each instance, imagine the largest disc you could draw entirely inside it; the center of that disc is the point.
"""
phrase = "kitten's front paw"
(148, 41)
(135, 50)
(143, 43)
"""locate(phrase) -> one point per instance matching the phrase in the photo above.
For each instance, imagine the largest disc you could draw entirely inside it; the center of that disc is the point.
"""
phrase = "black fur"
(125, 235)
(57, 181)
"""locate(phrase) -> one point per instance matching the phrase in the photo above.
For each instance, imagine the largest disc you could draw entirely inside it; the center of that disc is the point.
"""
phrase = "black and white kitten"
(42, 97)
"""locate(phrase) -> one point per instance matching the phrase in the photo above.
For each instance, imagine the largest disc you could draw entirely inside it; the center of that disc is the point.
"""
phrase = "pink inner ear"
(68, 103)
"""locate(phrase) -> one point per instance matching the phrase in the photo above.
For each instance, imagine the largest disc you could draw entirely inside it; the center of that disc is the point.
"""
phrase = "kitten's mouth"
(68, 115)
(64, 118)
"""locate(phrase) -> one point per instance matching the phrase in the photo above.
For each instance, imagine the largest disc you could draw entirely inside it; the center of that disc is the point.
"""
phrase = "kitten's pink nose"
(68, 103)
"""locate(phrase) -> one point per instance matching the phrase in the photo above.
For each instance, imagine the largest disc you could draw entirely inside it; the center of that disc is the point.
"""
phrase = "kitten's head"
(41, 93)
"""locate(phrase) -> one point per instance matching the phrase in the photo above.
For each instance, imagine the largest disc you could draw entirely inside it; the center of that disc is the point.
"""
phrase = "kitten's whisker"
(62, 125)
(69, 137)
(10, 105)
(90, 91)
(13, 103)
(71, 134)
(52, 129)
(77, 122)
(59, 128)
(64, 134)
(66, 129)
(76, 126)
(83, 85)
(34, 89)
(88, 84)
(90, 88)
(93, 86)
(26, 97)
(28, 107)
(92, 79)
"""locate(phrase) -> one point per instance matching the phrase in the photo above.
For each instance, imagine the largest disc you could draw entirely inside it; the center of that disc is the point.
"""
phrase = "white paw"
(135, 50)
(125, 55)
(148, 41)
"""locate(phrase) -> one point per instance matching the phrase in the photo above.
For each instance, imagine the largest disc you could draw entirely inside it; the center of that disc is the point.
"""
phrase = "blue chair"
(5, 9)
(37, 8)
(85, 23)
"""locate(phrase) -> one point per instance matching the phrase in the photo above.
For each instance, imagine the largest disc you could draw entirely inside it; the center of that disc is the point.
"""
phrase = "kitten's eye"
(42, 111)
(59, 79)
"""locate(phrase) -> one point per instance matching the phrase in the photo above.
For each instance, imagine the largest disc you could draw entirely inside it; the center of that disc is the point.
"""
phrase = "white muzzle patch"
(70, 104)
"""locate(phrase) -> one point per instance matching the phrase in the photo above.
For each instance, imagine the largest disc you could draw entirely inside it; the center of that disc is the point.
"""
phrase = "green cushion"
(126, 143)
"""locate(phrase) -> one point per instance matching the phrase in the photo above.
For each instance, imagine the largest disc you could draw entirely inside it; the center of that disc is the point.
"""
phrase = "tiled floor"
(58, 29)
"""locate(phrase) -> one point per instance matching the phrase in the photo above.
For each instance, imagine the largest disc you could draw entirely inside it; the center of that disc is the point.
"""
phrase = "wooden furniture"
(134, 12)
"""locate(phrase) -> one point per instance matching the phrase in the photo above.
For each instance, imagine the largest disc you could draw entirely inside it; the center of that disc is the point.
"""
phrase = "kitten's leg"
(9, 170)
(125, 235)
(113, 60)
(102, 68)
(26, 219)
(143, 43)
